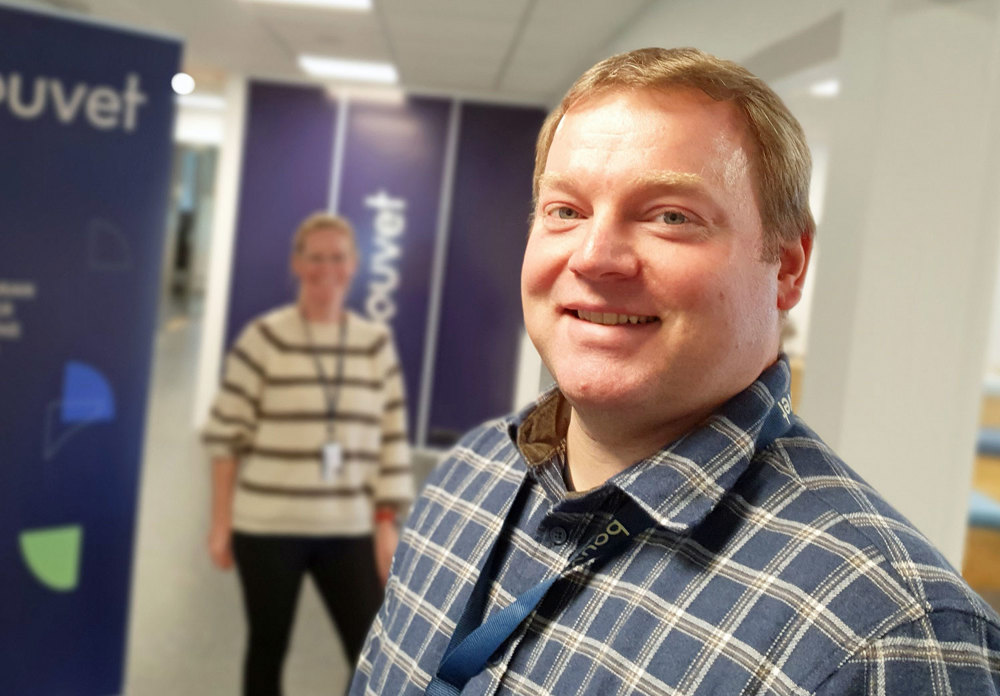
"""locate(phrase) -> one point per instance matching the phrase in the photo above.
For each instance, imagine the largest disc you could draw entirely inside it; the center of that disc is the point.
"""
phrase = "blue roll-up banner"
(85, 144)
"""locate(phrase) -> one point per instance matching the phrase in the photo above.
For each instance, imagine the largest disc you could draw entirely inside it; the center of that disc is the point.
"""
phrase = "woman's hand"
(220, 545)
(386, 539)
(220, 536)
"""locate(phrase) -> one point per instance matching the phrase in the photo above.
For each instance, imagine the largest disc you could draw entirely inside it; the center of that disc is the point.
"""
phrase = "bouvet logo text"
(389, 225)
(614, 528)
(101, 106)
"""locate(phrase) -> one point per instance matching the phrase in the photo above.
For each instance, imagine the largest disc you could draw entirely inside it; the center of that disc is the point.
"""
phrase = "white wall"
(993, 360)
(227, 180)
(903, 297)
(198, 125)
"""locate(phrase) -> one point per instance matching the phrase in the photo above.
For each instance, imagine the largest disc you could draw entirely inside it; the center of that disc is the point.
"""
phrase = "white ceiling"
(518, 50)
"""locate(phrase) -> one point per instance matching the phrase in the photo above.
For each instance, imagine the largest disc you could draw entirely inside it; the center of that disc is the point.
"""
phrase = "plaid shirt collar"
(679, 485)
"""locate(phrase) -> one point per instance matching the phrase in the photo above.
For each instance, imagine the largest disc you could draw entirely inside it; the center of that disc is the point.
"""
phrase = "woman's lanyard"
(332, 457)
(473, 643)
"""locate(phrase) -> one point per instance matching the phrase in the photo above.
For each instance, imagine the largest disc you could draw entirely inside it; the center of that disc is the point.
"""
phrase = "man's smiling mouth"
(612, 319)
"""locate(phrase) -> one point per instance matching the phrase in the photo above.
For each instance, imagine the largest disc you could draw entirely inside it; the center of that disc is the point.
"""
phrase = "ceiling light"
(354, 70)
(211, 102)
(359, 5)
(384, 95)
(825, 88)
(182, 83)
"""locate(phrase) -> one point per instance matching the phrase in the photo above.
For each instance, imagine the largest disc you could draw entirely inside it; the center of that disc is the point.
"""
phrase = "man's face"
(643, 286)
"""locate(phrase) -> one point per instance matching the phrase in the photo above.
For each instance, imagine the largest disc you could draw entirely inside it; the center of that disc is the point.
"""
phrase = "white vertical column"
(337, 156)
(227, 186)
(902, 299)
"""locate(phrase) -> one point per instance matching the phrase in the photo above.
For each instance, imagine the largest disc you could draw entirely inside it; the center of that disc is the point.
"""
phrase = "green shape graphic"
(53, 555)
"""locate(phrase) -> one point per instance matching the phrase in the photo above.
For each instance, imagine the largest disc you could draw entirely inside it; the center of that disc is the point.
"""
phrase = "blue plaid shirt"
(770, 570)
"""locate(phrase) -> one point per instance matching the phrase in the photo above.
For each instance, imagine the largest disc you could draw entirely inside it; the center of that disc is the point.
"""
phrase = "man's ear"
(793, 263)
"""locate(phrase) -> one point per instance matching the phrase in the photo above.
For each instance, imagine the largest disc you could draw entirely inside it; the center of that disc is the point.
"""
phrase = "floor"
(187, 625)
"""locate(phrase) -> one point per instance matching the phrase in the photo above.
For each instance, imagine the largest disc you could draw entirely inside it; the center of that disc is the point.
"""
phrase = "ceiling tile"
(513, 49)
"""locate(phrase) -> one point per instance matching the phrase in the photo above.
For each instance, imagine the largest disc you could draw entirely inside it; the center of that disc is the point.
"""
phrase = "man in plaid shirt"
(661, 522)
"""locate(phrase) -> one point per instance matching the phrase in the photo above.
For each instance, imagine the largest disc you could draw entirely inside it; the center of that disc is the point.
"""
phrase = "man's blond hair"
(780, 162)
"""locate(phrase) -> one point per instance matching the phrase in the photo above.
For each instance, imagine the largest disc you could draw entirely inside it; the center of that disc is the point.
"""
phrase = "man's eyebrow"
(687, 184)
(555, 180)
(668, 179)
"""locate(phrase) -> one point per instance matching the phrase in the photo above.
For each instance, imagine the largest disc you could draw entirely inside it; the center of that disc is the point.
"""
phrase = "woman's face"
(325, 266)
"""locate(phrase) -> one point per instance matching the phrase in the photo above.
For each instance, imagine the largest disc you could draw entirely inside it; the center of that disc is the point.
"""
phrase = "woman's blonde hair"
(322, 220)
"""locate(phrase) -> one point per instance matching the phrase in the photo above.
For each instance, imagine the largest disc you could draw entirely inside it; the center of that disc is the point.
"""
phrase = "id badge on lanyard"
(333, 461)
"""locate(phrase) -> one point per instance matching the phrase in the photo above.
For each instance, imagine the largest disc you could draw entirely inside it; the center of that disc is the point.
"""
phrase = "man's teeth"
(612, 319)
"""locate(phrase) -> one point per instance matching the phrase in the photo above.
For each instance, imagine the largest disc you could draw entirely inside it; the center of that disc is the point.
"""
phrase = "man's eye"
(673, 217)
(565, 213)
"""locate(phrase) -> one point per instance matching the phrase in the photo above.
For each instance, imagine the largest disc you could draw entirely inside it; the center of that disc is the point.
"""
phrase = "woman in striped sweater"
(310, 461)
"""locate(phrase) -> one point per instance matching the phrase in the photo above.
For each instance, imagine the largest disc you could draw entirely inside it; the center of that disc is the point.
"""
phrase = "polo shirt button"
(558, 536)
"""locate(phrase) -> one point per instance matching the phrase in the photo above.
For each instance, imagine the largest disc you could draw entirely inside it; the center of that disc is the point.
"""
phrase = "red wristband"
(385, 515)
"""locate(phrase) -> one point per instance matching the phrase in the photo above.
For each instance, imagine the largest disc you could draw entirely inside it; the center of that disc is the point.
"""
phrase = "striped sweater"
(271, 413)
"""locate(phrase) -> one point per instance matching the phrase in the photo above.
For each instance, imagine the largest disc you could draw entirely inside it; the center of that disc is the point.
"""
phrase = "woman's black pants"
(271, 569)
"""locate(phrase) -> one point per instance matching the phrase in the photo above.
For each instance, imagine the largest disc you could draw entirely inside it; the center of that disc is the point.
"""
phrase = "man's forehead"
(725, 129)
(670, 99)
(667, 92)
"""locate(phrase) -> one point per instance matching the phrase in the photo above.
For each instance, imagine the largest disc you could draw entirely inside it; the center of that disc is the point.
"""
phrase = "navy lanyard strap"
(466, 660)
(330, 387)
(471, 646)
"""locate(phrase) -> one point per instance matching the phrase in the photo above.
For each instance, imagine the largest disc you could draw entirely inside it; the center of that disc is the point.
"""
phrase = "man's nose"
(606, 251)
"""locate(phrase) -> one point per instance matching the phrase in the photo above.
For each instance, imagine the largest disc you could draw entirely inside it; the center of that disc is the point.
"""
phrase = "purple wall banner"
(286, 176)
(477, 344)
(393, 163)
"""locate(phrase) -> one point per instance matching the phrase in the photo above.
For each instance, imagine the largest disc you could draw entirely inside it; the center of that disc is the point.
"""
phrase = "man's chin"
(608, 393)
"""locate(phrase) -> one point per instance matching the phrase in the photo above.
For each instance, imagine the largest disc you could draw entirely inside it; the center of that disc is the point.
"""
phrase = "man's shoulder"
(851, 522)
(486, 450)
(470, 490)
